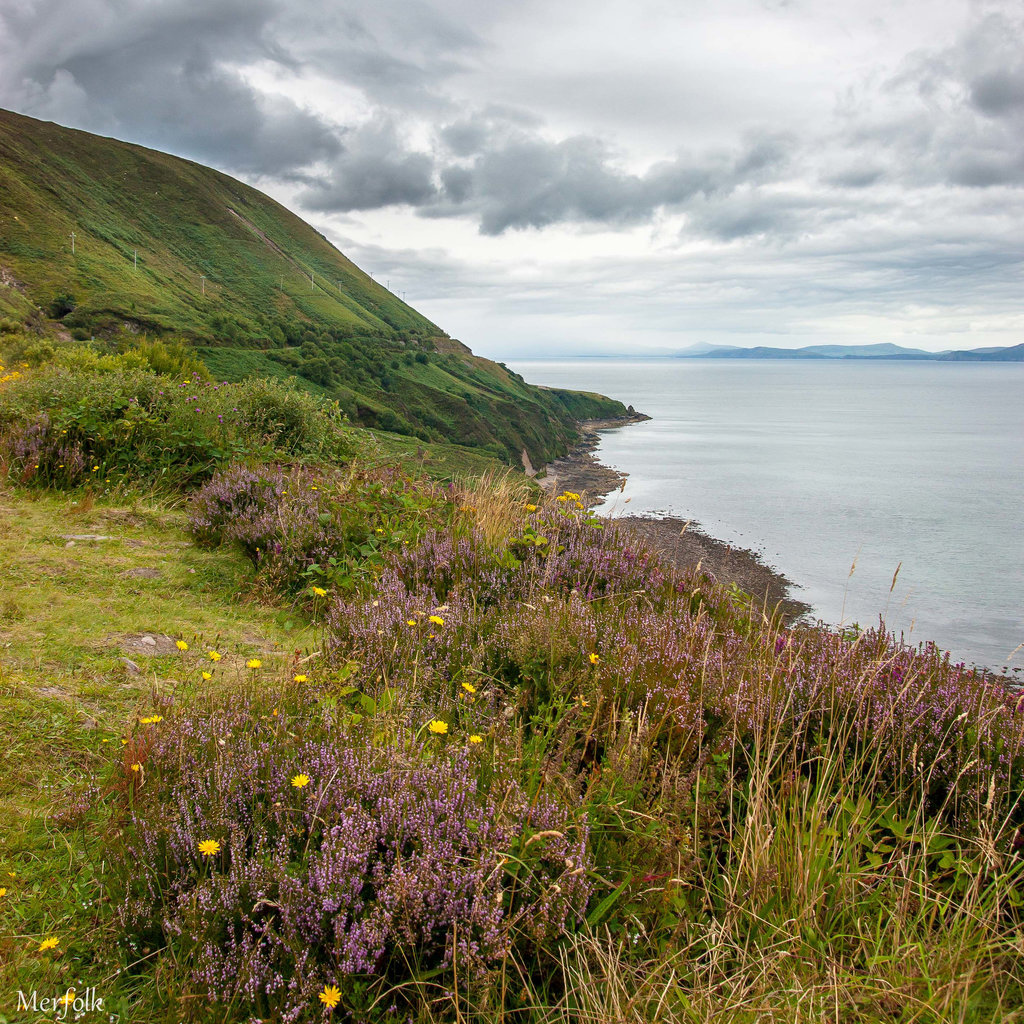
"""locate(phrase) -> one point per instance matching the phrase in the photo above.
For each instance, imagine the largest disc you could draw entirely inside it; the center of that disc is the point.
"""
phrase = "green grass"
(67, 697)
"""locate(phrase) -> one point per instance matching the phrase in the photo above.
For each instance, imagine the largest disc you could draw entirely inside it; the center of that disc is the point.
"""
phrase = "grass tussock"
(518, 769)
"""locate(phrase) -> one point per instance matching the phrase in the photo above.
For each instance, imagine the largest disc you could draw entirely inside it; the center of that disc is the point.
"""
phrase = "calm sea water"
(824, 466)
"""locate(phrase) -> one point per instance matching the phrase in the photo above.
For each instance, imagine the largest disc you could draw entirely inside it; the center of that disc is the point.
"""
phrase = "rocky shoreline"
(681, 542)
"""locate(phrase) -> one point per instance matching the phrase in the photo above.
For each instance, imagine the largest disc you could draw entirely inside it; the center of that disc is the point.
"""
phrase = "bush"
(302, 529)
(90, 417)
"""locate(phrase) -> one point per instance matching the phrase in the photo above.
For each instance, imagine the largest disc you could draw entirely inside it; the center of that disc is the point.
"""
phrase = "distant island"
(1008, 354)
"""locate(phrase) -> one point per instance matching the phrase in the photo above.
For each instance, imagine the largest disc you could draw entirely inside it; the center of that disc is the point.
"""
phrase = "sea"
(882, 489)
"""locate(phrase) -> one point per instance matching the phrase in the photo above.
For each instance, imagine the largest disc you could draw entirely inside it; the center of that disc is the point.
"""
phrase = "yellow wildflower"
(152, 720)
(436, 619)
(469, 687)
(207, 676)
(438, 727)
(330, 996)
(298, 781)
(68, 997)
(209, 847)
(410, 622)
(319, 591)
(594, 658)
(213, 655)
(254, 663)
(181, 645)
(136, 767)
(50, 943)
(476, 738)
(3, 891)
(531, 508)
(301, 678)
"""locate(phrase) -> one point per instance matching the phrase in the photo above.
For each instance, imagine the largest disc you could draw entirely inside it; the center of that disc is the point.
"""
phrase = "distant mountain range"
(1009, 354)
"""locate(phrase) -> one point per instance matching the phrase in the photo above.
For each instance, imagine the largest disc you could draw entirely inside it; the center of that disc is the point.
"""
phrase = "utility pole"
(136, 259)
(203, 279)
(310, 282)
(389, 284)
(72, 243)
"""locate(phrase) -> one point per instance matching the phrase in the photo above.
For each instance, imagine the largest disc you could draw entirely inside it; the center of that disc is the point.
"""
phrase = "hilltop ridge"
(103, 240)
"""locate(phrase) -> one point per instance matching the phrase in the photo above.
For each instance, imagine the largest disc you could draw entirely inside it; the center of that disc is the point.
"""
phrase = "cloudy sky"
(594, 175)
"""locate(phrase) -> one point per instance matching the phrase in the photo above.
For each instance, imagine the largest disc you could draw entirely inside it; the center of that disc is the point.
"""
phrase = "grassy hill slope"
(106, 238)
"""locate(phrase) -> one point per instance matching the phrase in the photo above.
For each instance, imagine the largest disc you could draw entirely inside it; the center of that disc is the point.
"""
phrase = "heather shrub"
(305, 529)
(333, 859)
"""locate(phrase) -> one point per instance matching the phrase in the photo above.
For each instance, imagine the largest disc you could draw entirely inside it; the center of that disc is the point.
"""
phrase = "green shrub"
(90, 417)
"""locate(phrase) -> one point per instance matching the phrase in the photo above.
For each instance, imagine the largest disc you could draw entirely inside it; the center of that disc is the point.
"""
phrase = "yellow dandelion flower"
(594, 658)
(438, 727)
(254, 663)
(151, 720)
(68, 997)
(319, 591)
(410, 622)
(561, 497)
(136, 767)
(209, 847)
(476, 738)
(3, 892)
(213, 655)
(298, 781)
(300, 679)
(50, 943)
(436, 619)
(274, 712)
(181, 645)
(469, 687)
(330, 996)
(207, 676)
(378, 530)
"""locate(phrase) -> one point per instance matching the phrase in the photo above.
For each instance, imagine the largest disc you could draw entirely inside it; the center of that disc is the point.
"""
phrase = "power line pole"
(203, 279)
(72, 243)
(311, 282)
(136, 259)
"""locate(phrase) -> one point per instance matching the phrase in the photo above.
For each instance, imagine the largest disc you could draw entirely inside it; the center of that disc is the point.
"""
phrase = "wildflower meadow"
(503, 763)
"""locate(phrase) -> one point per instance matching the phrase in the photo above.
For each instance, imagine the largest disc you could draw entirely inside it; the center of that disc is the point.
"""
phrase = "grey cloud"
(507, 177)
(373, 171)
(999, 92)
(161, 74)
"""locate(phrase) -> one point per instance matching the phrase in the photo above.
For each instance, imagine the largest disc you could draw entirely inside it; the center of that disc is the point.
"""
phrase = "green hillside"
(102, 240)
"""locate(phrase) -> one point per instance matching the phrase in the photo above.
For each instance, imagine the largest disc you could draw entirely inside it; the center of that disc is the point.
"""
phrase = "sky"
(594, 176)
